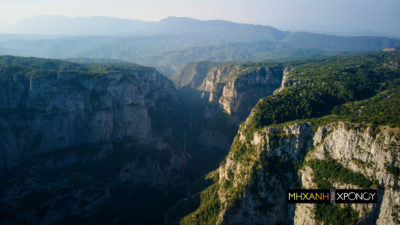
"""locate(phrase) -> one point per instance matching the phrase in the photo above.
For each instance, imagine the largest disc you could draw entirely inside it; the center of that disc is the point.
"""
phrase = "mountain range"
(108, 142)
(172, 42)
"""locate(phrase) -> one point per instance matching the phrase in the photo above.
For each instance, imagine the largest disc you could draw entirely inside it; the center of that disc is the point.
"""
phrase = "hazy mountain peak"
(178, 19)
(97, 25)
(63, 25)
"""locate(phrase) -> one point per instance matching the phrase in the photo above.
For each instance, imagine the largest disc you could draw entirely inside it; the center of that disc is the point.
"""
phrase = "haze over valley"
(172, 42)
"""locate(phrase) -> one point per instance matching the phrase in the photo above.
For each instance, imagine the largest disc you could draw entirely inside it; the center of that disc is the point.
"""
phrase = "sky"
(329, 16)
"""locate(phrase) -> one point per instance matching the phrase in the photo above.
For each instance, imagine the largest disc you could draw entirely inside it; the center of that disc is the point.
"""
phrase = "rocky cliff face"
(43, 114)
(236, 88)
(73, 143)
(356, 149)
(260, 168)
(261, 176)
(316, 131)
(290, 81)
(219, 98)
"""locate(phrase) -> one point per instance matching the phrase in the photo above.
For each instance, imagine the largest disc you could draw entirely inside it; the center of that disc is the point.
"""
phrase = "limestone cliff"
(290, 81)
(236, 88)
(356, 149)
(71, 109)
(219, 98)
(254, 183)
(324, 129)
(76, 137)
(254, 178)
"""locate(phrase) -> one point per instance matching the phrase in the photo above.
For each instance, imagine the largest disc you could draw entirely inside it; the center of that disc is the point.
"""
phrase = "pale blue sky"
(382, 16)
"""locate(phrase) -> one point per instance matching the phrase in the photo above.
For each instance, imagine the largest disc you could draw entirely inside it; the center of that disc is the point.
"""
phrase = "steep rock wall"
(70, 109)
(236, 88)
(259, 169)
(72, 144)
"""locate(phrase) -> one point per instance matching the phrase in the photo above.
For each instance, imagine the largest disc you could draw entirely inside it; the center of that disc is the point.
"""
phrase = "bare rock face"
(262, 167)
(355, 149)
(289, 81)
(71, 109)
(73, 143)
(262, 176)
(236, 88)
(286, 81)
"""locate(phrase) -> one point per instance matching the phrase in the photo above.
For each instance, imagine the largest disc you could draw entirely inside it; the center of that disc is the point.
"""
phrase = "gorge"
(115, 142)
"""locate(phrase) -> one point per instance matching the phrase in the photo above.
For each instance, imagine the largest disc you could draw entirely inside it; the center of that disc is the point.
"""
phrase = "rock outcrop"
(236, 88)
(260, 168)
(356, 149)
(72, 109)
(332, 124)
(289, 81)
(74, 142)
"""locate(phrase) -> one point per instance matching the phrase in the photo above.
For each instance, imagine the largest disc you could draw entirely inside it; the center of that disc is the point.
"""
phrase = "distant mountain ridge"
(112, 26)
(62, 25)
(172, 42)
